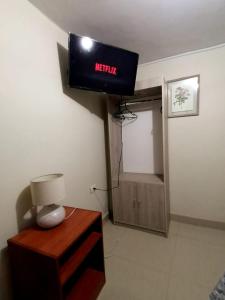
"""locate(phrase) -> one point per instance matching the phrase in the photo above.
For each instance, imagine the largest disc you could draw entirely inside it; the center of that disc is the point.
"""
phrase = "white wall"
(142, 141)
(197, 144)
(42, 130)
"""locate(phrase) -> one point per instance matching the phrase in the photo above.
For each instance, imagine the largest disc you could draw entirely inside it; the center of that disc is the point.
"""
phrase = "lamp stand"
(50, 215)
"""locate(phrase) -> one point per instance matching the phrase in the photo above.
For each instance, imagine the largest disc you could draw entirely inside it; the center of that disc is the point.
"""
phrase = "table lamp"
(48, 191)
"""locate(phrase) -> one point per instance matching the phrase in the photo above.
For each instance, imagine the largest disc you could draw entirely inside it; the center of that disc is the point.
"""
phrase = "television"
(100, 67)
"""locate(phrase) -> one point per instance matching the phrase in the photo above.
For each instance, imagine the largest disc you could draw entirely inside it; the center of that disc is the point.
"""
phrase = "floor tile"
(146, 249)
(140, 265)
(129, 281)
(111, 236)
(180, 289)
(216, 265)
(112, 230)
(198, 261)
(204, 234)
(174, 228)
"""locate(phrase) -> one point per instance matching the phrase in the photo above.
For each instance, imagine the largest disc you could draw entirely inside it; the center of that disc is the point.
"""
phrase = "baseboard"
(198, 222)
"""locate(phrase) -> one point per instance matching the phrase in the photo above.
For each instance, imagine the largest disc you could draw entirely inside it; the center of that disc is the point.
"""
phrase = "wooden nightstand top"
(55, 241)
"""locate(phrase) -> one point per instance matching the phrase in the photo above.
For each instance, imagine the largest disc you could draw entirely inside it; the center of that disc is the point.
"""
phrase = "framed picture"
(183, 97)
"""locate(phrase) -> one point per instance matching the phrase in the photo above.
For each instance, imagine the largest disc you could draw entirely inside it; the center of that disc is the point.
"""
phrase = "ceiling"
(153, 28)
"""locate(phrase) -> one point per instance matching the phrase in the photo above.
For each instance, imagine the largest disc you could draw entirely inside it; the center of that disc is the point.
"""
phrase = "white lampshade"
(48, 189)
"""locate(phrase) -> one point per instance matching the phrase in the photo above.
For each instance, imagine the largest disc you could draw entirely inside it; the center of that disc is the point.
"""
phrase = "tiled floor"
(144, 266)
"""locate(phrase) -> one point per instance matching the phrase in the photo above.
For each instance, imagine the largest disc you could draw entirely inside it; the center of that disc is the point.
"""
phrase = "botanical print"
(182, 97)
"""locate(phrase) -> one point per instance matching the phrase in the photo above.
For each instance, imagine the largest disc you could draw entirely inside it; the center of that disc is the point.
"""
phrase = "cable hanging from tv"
(124, 113)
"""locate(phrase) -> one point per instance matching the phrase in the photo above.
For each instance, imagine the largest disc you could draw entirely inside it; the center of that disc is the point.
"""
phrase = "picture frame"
(183, 96)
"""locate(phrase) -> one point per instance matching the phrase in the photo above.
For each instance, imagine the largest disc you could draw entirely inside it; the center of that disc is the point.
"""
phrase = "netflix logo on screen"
(105, 68)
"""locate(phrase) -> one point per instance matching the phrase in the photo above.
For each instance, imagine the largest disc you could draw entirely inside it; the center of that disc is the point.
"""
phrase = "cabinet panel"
(151, 206)
(124, 203)
(151, 210)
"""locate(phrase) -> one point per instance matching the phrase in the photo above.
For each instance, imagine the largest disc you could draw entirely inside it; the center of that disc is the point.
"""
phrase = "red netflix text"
(105, 68)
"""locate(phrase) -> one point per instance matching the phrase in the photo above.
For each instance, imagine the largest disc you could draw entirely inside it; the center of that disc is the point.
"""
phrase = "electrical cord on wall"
(118, 175)
(122, 115)
(70, 214)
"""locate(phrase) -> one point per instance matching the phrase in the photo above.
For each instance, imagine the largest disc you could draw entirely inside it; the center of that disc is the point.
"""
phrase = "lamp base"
(50, 216)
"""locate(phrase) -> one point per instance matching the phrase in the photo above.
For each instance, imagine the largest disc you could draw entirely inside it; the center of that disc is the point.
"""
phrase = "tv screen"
(99, 67)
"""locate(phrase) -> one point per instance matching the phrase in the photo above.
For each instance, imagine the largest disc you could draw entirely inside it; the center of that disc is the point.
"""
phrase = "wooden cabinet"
(62, 263)
(151, 206)
(125, 203)
(140, 201)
